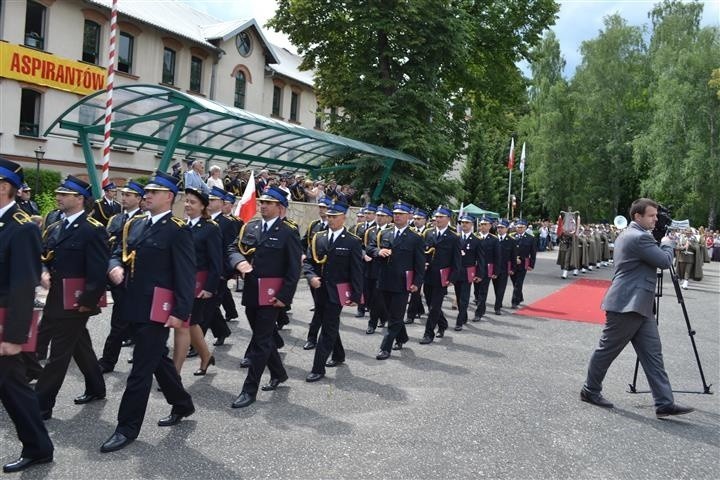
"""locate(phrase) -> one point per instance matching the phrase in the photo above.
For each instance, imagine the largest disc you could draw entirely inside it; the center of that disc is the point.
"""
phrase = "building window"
(30, 113)
(240, 86)
(168, 72)
(91, 42)
(35, 25)
(277, 101)
(195, 73)
(125, 52)
(294, 105)
(318, 118)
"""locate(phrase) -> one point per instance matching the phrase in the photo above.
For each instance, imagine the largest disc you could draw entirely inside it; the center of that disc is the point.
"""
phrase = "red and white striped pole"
(108, 96)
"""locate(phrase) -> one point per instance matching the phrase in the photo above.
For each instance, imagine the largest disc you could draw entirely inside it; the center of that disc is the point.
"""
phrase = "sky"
(578, 20)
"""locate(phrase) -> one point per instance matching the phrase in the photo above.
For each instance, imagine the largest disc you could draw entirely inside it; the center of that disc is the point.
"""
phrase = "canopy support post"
(173, 140)
(90, 163)
(389, 164)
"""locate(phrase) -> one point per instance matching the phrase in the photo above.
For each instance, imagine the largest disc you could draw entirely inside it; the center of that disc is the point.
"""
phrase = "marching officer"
(402, 267)
(508, 252)
(130, 196)
(378, 310)
(20, 250)
(359, 222)
(362, 233)
(268, 252)
(24, 201)
(334, 259)
(473, 264)
(415, 307)
(317, 225)
(442, 255)
(490, 247)
(105, 207)
(524, 260)
(156, 261)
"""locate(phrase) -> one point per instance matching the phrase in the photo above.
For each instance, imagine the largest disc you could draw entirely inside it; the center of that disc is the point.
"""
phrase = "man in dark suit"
(490, 247)
(24, 201)
(524, 260)
(318, 225)
(107, 206)
(157, 253)
(76, 248)
(378, 309)
(362, 233)
(473, 264)
(508, 252)
(131, 195)
(442, 255)
(334, 258)
(415, 307)
(401, 257)
(20, 250)
(268, 249)
(628, 304)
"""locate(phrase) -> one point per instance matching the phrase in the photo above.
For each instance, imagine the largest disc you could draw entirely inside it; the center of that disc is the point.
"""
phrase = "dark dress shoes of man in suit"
(314, 377)
(273, 384)
(382, 355)
(174, 418)
(116, 442)
(24, 462)
(243, 400)
(334, 363)
(309, 345)
(595, 399)
(674, 409)
(88, 397)
(245, 363)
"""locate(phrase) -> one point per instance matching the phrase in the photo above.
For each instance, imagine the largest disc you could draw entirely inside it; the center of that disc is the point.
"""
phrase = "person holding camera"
(628, 304)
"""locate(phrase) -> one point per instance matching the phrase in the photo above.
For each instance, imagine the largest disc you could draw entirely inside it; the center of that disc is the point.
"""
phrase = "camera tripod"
(691, 332)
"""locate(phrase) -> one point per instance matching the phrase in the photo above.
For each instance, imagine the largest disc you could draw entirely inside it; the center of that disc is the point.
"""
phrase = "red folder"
(445, 276)
(163, 302)
(527, 263)
(31, 343)
(490, 269)
(72, 289)
(267, 289)
(471, 273)
(200, 279)
(409, 279)
(345, 293)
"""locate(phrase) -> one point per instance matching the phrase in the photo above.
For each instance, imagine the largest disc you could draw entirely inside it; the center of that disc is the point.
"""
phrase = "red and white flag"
(522, 159)
(247, 206)
(511, 157)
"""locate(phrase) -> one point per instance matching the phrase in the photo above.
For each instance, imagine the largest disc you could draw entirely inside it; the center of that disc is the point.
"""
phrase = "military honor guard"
(333, 268)
(442, 252)
(490, 247)
(105, 207)
(415, 307)
(401, 258)
(20, 251)
(378, 309)
(269, 255)
(130, 196)
(472, 260)
(75, 260)
(508, 255)
(157, 263)
(526, 249)
(318, 225)
(363, 233)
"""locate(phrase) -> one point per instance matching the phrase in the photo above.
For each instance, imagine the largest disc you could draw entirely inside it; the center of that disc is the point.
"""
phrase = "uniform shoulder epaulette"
(412, 230)
(426, 232)
(95, 223)
(21, 217)
(492, 235)
(178, 221)
(352, 234)
(99, 200)
(112, 218)
(290, 224)
(212, 222)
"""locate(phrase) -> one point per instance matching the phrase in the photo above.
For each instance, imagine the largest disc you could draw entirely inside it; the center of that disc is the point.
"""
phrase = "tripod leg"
(633, 385)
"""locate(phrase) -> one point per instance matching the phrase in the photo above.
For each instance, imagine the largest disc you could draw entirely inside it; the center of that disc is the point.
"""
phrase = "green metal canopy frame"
(165, 121)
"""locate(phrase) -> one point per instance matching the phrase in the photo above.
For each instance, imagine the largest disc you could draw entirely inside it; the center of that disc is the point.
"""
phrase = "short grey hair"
(215, 168)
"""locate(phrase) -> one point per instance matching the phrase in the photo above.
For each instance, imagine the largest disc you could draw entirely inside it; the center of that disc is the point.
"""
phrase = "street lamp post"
(39, 154)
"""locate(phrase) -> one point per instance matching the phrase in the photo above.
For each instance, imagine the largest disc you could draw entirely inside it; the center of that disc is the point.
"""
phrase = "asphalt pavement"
(498, 400)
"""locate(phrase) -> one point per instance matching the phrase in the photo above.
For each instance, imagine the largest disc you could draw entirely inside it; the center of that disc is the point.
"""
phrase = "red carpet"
(578, 302)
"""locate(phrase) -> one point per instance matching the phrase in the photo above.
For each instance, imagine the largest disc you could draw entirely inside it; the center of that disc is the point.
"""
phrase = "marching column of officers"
(166, 272)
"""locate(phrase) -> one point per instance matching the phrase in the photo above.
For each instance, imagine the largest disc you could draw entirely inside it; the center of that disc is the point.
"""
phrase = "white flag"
(522, 159)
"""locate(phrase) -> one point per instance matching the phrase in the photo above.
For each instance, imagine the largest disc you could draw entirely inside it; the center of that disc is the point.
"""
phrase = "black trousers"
(378, 308)
(119, 331)
(396, 303)
(150, 357)
(21, 404)
(329, 314)
(462, 292)
(415, 307)
(368, 288)
(213, 319)
(481, 293)
(518, 279)
(435, 295)
(70, 339)
(499, 285)
(315, 321)
(227, 301)
(262, 351)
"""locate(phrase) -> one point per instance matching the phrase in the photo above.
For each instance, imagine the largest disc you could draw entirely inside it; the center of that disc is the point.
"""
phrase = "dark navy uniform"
(103, 210)
(317, 225)
(508, 252)
(378, 308)
(20, 250)
(76, 249)
(442, 251)
(336, 262)
(229, 229)
(208, 243)
(471, 255)
(526, 249)
(275, 253)
(359, 231)
(415, 307)
(490, 247)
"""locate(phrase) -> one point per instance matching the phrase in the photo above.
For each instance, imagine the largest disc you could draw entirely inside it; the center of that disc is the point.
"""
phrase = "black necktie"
(397, 234)
(149, 222)
(265, 227)
(66, 224)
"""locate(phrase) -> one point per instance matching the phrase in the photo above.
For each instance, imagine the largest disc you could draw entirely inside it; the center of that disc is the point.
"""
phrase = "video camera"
(663, 223)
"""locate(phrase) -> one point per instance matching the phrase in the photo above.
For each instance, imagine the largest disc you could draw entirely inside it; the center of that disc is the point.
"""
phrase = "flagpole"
(522, 187)
(109, 95)
(508, 198)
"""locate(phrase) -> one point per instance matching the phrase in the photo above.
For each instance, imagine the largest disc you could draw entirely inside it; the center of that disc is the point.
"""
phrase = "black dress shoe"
(595, 399)
(130, 360)
(220, 341)
(382, 325)
(127, 343)
(88, 397)
(105, 368)
(174, 418)
(24, 462)
(514, 306)
(314, 377)
(426, 340)
(408, 321)
(440, 333)
(115, 442)
(370, 331)
(245, 363)
(334, 363)
(382, 355)
(458, 328)
(498, 312)
(397, 346)
(243, 400)
(202, 371)
(359, 314)
(674, 409)
(309, 345)
(273, 384)
(477, 319)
